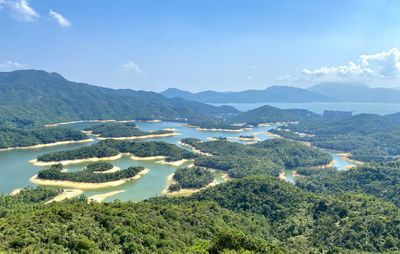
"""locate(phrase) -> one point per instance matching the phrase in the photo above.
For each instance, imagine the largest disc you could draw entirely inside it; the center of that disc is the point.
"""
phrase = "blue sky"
(209, 44)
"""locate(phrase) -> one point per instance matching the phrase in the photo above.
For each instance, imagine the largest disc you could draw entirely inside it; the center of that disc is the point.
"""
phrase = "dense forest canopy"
(266, 157)
(379, 179)
(367, 137)
(48, 97)
(87, 175)
(107, 148)
(22, 137)
(257, 214)
(116, 130)
(191, 178)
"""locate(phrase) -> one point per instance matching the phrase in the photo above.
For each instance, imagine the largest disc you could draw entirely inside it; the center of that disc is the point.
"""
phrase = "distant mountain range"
(48, 97)
(270, 94)
(356, 92)
(324, 92)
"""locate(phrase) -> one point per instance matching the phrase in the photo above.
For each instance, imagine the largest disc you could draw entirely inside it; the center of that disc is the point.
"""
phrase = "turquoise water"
(319, 107)
(16, 170)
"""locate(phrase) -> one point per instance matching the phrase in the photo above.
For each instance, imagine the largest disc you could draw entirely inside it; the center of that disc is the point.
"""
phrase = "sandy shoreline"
(194, 149)
(48, 145)
(66, 194)
(149, 158)
(100, 197)
(140, 137)
(184, 192)
(88, 121)
(86, 186)
(173, 163)
(346, 157)
(67, 162)
(215, 129)
(15, 192)
(114, 169)
(282, 175)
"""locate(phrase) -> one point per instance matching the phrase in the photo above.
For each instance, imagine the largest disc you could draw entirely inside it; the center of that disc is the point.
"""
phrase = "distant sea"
(319, 107)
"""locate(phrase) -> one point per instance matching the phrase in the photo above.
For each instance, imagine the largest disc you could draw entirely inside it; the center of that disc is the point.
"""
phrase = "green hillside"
(48, 97)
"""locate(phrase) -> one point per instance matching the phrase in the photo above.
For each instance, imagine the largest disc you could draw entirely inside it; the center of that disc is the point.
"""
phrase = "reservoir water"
(15, 169)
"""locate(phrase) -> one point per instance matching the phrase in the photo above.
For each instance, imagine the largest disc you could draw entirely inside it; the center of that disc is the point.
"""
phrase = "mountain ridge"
(49, 97)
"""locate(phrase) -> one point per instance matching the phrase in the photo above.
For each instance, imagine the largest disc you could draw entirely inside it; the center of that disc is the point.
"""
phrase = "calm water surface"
(15, 169)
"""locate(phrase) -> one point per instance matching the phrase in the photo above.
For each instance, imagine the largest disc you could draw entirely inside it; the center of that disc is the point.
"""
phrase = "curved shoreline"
(184, 192)
(36, 162)
(87, 121)
(48, 145)
(194, 149)
(215, 129)
(66, 194)
(173, 163)
(84, 185)
(112, 170)
(140, 137)
(149, 158)
(100, 197)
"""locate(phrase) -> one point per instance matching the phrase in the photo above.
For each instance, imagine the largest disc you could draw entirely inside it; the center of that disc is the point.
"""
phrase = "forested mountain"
(324, 92)
(268, 114)
(48, 97)
(356, 92)
(270, 94)
(256, 215)
(367, 137)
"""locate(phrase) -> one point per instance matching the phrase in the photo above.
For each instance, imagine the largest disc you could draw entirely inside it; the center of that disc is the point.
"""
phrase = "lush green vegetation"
(145, 227)
(191, 178)
(379, 179)
(87, 176)
(269, 114)
(98, 166)
(305, 221)
(48, 97)
(251, 215)
(21, 137)
(116, 130)
(366, 137)
(266, 157)
(107, 148)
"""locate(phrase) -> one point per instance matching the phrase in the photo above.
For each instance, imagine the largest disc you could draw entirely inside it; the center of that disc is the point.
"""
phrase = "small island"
(186, 181)
(215, 125)
(125, 130)
(247, 138)
(88, 178)
(114, 149)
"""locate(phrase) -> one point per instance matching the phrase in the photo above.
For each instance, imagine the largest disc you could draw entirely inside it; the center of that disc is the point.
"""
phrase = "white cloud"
(131, 66)
(249, 78)
(11, 66)
(20, 10)
(60, 19)
(383, 65)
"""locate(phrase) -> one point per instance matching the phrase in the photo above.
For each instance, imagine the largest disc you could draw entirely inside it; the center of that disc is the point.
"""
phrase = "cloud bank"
(20, 10)
(383, 65)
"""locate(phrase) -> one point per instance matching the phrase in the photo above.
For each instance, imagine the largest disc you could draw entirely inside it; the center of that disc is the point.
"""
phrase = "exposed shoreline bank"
(101, 197)
(48, 145)
(84, 185)
(194, 149)
(215, 129)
